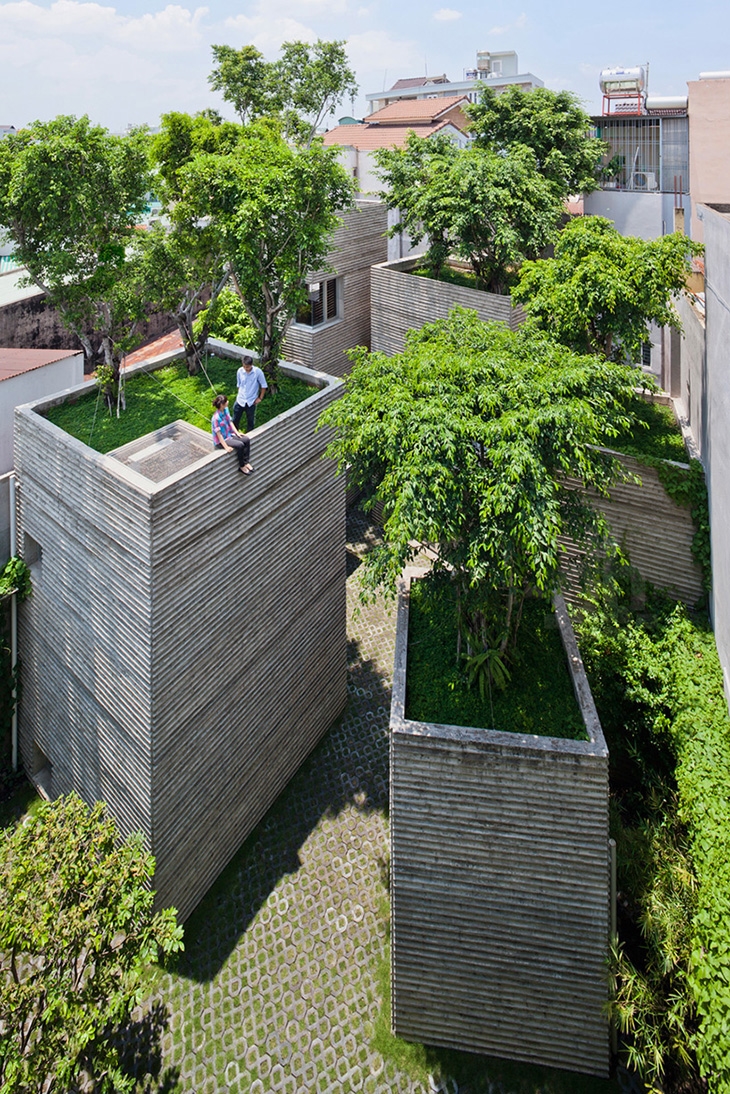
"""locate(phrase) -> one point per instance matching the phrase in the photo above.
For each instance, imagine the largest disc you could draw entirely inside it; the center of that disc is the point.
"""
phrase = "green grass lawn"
(452, 276)
(539, 699)
(156, 398)
(656, 435)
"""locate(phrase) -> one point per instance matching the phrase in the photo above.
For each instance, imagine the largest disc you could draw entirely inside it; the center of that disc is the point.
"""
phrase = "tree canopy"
(70, 196)
(551, 123)
(494, 210)
(77, 931)
(303, 86)
(601, 290)
(466, 438)
(275, 208)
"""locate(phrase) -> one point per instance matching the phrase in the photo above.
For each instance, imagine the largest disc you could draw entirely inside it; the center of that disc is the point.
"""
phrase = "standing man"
(251, 390)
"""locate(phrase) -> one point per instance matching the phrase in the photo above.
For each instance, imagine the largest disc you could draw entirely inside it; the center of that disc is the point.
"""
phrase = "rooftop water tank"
(665, 103)
(623, 81)
(715, 75)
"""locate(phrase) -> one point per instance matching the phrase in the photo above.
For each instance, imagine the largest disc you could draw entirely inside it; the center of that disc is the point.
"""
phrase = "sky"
(128, 63)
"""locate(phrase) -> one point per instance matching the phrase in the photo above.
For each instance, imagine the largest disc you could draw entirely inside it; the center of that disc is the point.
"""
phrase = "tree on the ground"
(466, 439)
(601, 290)
(551, 123)
(70, 196)
(304, 86)
(494, 210)
(275, 208)
(77, 932)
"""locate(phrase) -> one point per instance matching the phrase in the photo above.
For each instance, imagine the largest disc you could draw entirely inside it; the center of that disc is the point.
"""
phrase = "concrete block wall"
(358, 243)
(653, 530)
(402, 302)
(185, 647)
(500, 884)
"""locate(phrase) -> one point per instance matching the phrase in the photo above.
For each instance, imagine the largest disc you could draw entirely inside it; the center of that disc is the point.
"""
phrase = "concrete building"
(184, 648)
(337, 315)
(700, 383)
(709, 139)
(389, 128)
(498, 69)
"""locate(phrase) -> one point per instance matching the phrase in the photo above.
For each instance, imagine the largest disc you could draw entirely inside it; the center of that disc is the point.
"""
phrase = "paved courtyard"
(279, 988)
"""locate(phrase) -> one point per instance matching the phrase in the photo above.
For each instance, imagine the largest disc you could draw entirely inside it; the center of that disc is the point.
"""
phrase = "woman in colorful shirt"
(225, 434)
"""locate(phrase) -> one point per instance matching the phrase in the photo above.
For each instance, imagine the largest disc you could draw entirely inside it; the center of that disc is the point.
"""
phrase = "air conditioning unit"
(644, 180)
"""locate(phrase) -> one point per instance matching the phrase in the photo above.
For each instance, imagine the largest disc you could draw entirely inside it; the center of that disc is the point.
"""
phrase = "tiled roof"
(13, 362)
(419, 81)
(415, 110)
(366, 137)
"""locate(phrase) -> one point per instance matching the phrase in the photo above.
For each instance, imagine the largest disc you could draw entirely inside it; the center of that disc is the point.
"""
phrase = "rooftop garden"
(165, 395)
(655, 435)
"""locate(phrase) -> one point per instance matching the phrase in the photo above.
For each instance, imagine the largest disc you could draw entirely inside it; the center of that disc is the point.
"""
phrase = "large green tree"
(494, 210)
(466, 439)
(275, 208)
(551, 123)
(304, 86)
(601, 290)
(70, 196)
(77, 931)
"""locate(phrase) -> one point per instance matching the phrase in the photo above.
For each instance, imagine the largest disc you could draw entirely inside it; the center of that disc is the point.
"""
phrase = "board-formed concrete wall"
(500, 884)
(358, 243)
(184, 648)
(402, 301)
(652, 529)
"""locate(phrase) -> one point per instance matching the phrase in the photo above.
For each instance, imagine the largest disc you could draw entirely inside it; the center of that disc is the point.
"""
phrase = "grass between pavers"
(160, 396)
(656, 435)
(539, 698)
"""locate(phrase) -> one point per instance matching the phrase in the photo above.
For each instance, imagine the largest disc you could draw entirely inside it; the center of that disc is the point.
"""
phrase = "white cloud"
(375, 50)
(89, 25)
(519, 23)
(446, 15)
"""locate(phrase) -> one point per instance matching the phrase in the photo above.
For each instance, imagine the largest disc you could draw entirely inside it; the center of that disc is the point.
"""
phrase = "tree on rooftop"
(601, 290)
(304, 86)
(70, 197)
(466, 439)
(551, 123)
(275, 208)
(494, 210)
(77, 932)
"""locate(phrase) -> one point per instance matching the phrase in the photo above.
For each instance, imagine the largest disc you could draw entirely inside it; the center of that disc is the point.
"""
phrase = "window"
(32, 554)
(323, 304)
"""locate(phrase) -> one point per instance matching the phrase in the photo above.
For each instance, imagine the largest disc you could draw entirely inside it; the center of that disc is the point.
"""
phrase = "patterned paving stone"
(277, 989)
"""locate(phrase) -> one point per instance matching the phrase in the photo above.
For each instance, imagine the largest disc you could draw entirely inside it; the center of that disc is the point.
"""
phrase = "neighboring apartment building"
(499, 70)
(709, 141)
(389, 128)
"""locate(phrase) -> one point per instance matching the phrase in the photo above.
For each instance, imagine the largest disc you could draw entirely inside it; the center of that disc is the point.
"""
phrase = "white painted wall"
(636, 213)
(27, 387)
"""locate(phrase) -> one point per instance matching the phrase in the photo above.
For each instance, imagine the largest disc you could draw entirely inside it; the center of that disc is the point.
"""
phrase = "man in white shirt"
(251, 390)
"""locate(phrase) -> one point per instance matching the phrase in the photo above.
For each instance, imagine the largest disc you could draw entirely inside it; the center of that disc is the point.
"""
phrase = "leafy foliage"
(302, 87)
(601, 290)
(465, 438)
(15, 577)
(659, 691)
(275, 209)
(493, 210)
(550, 123)
(70, 196)
(227, 319)
(77, 930)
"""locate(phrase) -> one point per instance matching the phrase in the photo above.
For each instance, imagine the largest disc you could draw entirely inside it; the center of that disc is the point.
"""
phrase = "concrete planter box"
(402, 301)
(500, 883)
(184, 648)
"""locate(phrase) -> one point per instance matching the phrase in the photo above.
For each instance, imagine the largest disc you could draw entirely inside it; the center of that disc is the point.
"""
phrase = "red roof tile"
(419, 81)
(367, 137)
(415, 110)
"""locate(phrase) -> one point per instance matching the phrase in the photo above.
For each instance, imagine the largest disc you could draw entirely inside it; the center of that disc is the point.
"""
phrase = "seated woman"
(225, 434)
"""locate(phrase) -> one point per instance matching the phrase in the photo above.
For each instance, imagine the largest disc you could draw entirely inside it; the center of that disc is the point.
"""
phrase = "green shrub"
(658, 686)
